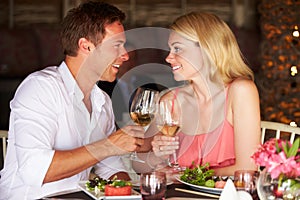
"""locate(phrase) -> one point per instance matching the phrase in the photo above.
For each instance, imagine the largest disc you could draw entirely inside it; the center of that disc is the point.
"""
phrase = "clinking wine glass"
(168, 123)
(142, 110)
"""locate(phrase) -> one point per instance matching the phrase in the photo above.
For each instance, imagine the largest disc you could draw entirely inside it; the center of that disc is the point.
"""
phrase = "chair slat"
(3, 136)
(279, 128)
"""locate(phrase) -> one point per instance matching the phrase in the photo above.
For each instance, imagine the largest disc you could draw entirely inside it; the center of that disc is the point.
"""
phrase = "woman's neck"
(201, 90)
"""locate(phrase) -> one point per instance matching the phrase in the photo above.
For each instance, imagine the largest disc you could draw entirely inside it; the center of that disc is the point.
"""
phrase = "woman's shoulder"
(242, 86)
(241, 90)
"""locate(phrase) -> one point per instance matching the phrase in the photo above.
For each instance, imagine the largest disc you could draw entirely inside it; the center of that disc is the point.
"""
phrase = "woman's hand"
(163, 146)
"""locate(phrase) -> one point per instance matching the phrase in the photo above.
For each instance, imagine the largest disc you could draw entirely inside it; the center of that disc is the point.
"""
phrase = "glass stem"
(134, 155)
(146, 127)
(175, 160)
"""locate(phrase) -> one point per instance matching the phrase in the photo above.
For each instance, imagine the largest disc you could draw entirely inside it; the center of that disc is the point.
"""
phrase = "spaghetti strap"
(226, 101)
(174, 97)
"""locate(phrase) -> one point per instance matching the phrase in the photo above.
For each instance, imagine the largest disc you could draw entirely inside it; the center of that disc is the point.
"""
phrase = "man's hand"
(128, 138)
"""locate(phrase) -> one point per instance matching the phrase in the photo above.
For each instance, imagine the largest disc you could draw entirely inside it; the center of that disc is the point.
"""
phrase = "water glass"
(153, 185)
(245, 180)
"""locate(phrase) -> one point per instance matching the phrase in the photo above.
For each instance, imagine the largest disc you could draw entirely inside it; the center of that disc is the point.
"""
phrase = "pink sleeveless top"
(216, 147)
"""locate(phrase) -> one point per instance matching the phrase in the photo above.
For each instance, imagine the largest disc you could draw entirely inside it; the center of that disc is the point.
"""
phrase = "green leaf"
(277, 146)
(285, 148)
(294, 149)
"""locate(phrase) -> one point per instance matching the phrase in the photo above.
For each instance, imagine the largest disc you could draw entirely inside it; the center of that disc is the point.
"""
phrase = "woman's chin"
(178, 77)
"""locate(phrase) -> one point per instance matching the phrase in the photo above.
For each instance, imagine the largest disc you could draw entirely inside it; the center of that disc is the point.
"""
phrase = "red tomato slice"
(117, 191)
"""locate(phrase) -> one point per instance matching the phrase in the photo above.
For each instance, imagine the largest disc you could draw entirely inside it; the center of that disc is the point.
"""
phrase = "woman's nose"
(169, 58)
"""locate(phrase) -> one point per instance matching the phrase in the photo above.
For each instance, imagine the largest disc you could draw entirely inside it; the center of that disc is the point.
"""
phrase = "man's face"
(113, 50)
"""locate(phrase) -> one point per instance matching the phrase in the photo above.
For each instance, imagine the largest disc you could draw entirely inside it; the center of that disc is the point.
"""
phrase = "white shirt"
(48, 114)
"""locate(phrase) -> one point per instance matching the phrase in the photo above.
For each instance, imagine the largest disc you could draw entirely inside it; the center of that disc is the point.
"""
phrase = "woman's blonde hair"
(216, 39)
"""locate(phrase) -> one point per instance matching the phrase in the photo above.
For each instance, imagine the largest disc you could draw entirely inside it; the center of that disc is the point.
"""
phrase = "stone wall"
(277, 78)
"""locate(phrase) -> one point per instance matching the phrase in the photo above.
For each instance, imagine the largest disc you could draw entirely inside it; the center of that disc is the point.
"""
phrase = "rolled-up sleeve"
(34, 124)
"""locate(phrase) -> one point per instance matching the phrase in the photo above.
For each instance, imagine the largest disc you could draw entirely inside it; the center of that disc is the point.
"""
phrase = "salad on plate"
(99, 188)
(202, 178)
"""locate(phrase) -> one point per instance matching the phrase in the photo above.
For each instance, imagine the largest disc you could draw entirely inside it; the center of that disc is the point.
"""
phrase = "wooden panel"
(138, 12)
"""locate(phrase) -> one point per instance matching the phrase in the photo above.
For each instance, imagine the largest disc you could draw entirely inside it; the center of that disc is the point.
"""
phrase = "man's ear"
(85, 45)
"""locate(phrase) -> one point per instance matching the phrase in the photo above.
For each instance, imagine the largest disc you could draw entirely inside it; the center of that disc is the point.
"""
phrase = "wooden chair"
(3, 136)
(282, 131)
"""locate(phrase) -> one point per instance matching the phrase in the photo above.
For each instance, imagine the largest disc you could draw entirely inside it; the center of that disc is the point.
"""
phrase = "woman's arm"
(244, 114)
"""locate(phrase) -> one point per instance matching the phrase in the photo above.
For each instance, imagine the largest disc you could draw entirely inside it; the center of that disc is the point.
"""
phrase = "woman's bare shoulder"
(242, 86)
(242, 91)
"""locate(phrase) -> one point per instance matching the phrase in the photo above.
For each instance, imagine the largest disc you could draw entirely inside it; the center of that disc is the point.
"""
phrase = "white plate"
(134, 194)
(200, 188)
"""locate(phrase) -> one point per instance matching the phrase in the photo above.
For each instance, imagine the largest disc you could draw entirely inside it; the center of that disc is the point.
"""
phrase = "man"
(61, 123)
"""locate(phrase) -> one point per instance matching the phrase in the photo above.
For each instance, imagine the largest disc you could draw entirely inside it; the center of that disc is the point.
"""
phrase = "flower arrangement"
(279, 157)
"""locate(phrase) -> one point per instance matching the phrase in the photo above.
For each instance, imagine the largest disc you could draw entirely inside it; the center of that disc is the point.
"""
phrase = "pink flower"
(278, 164)
(277, 160)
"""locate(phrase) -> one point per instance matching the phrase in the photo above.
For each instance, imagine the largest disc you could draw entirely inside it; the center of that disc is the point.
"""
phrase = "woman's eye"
(176, 49)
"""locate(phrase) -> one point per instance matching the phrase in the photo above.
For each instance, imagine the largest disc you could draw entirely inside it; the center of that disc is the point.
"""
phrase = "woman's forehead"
(176, 38)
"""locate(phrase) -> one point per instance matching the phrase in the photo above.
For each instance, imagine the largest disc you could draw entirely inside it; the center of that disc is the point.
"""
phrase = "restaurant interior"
(267, 32)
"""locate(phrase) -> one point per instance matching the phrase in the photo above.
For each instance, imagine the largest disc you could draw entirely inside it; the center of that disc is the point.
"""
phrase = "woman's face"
(185, 57)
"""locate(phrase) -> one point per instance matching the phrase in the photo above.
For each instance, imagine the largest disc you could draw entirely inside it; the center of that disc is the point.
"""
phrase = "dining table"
(175, 191)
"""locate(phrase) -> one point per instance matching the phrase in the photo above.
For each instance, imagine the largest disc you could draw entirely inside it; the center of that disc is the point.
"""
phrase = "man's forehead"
(114, 31)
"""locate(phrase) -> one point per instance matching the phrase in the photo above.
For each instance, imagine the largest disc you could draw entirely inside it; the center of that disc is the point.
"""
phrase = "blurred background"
(267, 32)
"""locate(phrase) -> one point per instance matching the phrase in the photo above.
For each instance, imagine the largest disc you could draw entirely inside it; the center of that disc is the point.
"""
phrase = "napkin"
(229, 192)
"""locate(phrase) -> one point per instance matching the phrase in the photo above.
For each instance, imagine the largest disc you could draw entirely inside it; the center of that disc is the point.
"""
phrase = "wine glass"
(168, 123)
(142, 110)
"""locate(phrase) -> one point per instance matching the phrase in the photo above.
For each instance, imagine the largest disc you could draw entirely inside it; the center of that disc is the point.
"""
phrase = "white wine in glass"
(142, 110)
(168, 123)
(141, 119)
(169, 129)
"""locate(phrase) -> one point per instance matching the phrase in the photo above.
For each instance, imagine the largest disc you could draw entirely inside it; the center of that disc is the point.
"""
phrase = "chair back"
(3, 136)
(281, 130)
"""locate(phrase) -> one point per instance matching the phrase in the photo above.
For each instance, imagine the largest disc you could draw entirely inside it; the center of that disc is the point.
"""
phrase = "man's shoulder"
(40, 80)
(47, 72)
(48, 75)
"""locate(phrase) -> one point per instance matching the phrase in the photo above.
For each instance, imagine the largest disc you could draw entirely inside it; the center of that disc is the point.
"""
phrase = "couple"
(62, 124)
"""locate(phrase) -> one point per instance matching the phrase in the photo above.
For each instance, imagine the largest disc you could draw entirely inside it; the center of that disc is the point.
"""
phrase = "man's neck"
(82, 77)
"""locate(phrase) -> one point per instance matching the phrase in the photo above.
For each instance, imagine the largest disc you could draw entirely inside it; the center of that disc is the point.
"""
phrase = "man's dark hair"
(88, 20)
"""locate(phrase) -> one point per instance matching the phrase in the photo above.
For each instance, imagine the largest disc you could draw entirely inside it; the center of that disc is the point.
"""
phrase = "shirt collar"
(97, 95)
(68, 79)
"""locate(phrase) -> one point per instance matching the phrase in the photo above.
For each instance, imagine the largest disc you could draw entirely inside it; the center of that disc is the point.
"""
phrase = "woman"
(220, 107)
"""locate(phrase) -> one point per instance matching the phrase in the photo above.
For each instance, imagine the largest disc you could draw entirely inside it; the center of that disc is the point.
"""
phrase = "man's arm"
(68, 163)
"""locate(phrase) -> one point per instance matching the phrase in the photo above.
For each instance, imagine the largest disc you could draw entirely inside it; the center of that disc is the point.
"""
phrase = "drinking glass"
(168, 123)
(142, 110)
(153, 185)
(245, 180)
